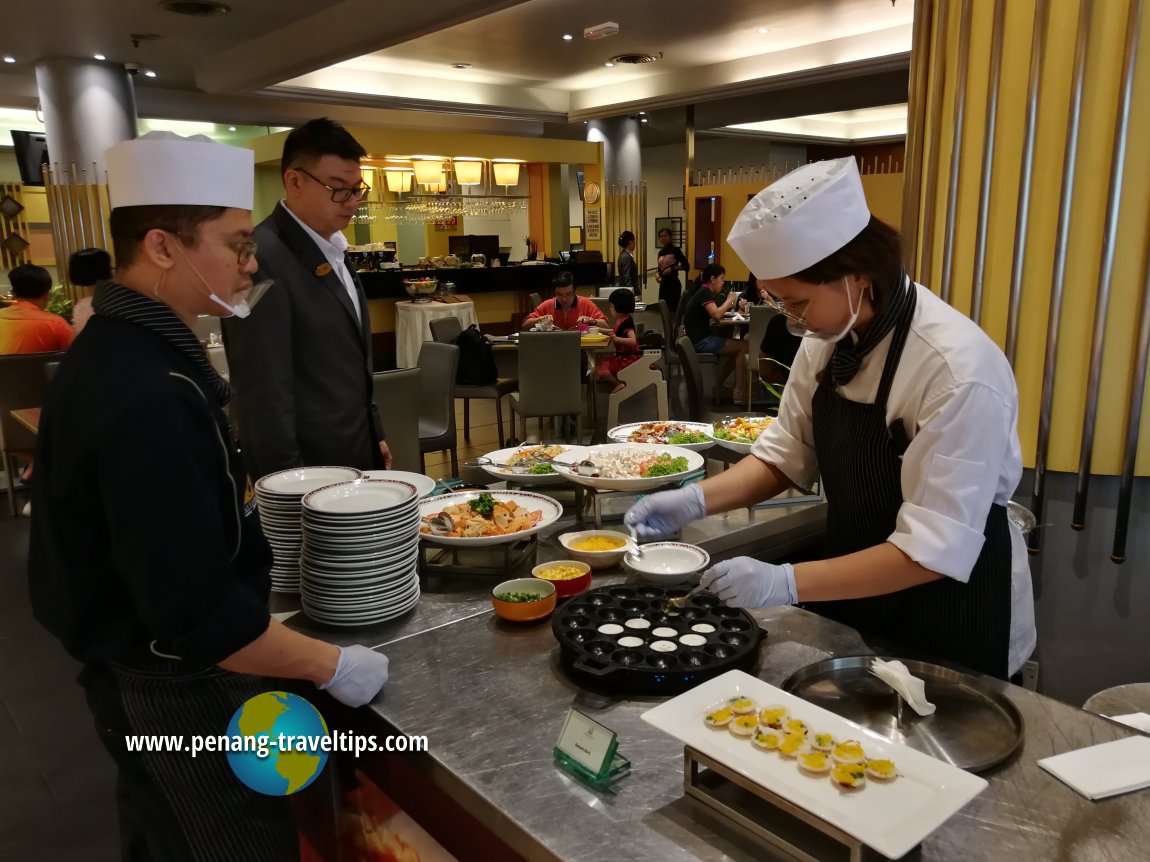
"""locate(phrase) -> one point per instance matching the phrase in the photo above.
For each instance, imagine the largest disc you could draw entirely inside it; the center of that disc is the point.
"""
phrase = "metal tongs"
(441, 524)
(677, 603)
(586, 467)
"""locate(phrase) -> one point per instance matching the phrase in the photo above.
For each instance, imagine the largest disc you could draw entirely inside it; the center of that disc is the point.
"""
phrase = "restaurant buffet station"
(492, 696)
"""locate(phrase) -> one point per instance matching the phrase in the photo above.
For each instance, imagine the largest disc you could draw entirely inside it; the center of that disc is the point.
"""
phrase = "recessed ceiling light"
(642, 119)
(763, 30)
(99, 57)
(608, 64)
(460, 65)
(567, 37)
(9, 59)
(642, 113)
(150, 74)
(231, 128)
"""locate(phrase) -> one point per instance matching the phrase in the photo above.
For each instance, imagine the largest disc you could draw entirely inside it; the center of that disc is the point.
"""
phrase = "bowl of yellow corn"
(570, 577)
(600, 549)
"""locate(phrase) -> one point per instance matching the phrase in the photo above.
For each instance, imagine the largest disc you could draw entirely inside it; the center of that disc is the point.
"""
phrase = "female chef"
(907, 412)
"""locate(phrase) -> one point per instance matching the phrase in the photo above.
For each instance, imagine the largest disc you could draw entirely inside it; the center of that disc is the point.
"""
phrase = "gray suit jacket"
(301, 362)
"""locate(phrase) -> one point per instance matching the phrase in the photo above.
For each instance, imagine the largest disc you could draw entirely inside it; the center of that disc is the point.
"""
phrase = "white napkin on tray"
(1136, 720)
(908, 686)
(1104, 770)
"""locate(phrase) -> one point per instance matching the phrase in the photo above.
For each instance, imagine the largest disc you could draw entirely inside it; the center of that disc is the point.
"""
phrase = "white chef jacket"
(955, 394)
(333, 248)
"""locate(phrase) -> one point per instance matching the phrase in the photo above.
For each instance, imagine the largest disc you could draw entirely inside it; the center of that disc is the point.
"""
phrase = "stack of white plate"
(360, 552)
(279, 496)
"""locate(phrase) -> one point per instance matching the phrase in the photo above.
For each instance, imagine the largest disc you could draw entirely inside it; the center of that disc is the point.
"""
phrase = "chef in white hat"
(147, 559)
(905, 411)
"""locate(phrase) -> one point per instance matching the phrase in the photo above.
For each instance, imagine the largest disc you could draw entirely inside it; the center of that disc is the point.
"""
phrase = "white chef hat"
(800, 219)
(162, 168)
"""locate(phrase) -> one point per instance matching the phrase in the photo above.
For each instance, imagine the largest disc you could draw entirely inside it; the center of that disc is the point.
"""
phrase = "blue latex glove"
(666, 512)
(745, 582)
(359, 675)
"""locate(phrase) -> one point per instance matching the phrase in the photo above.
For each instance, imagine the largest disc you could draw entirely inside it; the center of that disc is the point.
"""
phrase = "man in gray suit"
(301, 363)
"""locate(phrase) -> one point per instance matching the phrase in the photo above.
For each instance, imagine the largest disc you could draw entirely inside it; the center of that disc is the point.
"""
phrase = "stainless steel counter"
(491, 696)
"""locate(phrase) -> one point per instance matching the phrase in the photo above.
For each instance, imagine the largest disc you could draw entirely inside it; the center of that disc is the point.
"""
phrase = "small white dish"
(668, 562)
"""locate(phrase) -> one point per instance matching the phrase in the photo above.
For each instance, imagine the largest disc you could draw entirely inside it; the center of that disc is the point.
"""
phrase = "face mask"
(239, 309)
(796, 328)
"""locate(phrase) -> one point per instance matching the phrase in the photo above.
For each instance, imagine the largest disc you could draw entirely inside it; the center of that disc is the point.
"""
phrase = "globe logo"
(276, 743)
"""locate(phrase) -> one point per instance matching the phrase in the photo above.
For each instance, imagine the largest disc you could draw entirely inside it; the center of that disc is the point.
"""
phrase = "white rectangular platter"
(889, 816)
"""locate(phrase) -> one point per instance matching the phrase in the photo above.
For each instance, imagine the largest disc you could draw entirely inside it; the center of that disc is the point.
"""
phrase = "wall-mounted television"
(31, 154)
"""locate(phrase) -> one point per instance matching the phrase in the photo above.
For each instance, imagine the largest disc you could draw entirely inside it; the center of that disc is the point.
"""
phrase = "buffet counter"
(491, 697)
(388, 284)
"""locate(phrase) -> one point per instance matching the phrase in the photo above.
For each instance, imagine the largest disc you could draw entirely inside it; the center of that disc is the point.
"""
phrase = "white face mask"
(795, 328)
(248, 299)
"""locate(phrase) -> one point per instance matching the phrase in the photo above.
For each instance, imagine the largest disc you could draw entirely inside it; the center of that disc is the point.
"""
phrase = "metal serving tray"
(975, 726)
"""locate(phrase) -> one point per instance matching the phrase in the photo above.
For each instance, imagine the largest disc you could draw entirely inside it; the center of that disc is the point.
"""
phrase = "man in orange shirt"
(25, 327)
(567, 310)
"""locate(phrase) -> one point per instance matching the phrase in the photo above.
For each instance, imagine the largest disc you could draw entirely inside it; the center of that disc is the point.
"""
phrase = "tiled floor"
(57, 796)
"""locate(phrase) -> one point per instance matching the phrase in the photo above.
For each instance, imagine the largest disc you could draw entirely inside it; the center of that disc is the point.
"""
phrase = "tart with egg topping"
(743, 725)
(718, 717)
(793, 745)
(848, 752)
(796, 725)
(741, 705)
(815, 762)
(823, 742)
(852, 776)
(773, 716)
(767, 740)
(883, 770)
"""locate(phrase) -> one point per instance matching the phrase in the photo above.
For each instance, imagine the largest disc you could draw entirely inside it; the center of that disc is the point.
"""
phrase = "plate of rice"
(632, 466)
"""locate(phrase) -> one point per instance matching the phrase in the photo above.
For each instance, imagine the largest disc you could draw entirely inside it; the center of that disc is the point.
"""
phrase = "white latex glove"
(666, 512)
(359, 675)
(744, 582)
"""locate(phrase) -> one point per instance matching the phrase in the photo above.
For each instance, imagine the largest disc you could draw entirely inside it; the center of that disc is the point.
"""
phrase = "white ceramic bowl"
(596, 559)
(668, 562)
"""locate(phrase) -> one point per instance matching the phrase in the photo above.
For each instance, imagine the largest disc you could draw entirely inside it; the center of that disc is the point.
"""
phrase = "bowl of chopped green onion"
(524, 600)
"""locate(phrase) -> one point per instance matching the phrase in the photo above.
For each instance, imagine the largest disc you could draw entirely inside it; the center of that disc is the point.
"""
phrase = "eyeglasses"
(778, 305)
(244, 250)
(341, 195)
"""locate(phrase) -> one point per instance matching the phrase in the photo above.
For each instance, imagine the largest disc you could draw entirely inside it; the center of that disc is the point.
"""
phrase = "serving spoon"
(677, 603)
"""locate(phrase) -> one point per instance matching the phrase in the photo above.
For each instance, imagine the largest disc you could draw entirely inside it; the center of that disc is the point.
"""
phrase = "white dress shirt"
(955, 394)
(333, 248)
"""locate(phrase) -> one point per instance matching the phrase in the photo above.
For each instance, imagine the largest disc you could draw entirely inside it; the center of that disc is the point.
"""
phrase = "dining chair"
(550, 379)
(603, 304)
(534, 300)
(692, 377)
(639, 376)
(23, 382)
(437, 365)
(760, 316)
(445, 330)
(397, 397)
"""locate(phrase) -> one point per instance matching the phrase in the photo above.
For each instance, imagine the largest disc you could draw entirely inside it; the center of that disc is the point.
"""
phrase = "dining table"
(29, 417)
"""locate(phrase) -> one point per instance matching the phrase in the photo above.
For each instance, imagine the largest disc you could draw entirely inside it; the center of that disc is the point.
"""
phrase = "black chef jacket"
(144, 525)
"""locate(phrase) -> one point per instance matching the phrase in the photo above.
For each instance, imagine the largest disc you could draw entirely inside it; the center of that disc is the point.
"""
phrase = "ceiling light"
(468, 171)
(150, 74)
(99, 57)
(642, 119)
(608, 64)
(9, 59)
(762, 29)
(567, 37)
(506, 171)
(460, 65)
(398, 179)
(642, 113)
(231, 128)
(428, 170)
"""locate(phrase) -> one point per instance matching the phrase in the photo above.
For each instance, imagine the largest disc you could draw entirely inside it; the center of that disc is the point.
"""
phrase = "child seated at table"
(622, 335)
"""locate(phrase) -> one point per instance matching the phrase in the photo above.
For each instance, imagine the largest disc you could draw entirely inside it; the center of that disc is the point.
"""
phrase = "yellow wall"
(495, 307)
(883, 193)
(1083, 249)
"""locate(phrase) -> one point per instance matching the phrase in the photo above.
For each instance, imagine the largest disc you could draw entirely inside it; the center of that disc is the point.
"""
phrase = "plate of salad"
(738, 433)
(630, 466)
(695, 436)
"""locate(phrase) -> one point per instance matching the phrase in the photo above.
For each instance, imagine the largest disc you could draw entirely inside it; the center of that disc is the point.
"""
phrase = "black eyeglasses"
(341, 195)
(244, 249)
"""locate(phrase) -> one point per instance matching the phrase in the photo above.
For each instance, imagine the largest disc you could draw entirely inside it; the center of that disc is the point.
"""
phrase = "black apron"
(860, 459)
(174, 808)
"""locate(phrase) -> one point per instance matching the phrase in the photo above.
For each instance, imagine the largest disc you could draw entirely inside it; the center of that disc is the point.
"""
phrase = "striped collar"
(115, 300)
